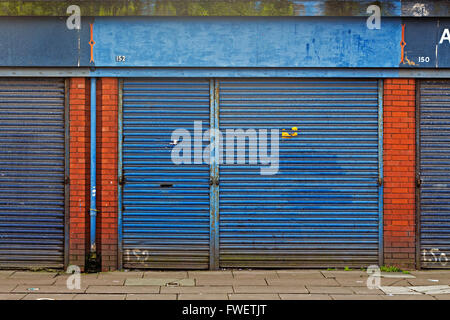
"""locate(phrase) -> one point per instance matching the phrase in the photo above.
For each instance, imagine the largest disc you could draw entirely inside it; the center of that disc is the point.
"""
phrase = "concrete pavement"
(225, 285)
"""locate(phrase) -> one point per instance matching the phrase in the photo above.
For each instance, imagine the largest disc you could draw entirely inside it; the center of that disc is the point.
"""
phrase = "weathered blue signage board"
(245, 42)
(272, 42)
(443, 44)
(42, 42)
(425, 43)
(226, 42)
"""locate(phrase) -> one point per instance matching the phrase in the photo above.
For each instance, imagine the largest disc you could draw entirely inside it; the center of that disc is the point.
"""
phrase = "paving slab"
(270, 289)
(356, 297)
(205, 289)
(302, 282)
(93, 282)
(11, 296)
(209, 296)
(430, 273)
(29, 281)
(343, 274)
(120, 275)
(397, 275)
(253, 296)
(218, 274)
(254, 274)
(396, 290)
(296, 296)
(5, 273)
(166, 274)
(7, 288)
(134, 296)
(209, 277)
(212, 277)
(436, 278)
(442, 289)
(352, 282)
(428, 282)
(122, 289)
(84, 276)
(160, 282)
(47, 289)
(300, 274)
(329, 290)
(394, 282)
(437, 292)
(408, 297)
(424, 289)
(366, 291)
(33, 275)
(231, 282)
(62, 296)
(100, 297)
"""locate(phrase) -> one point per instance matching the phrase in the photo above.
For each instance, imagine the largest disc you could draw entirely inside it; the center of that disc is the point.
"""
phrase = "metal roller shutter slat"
(32, 173)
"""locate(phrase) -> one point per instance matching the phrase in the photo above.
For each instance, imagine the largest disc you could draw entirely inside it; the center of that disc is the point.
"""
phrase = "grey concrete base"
(226, 285)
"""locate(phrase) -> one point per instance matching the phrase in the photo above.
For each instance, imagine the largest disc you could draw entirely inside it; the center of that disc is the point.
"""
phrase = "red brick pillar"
(399, 172)
(79, 171)
(107, 175)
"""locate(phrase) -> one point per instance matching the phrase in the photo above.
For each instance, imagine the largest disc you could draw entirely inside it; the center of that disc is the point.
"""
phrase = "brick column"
(107, 177)
(79, 171)
(399, 172)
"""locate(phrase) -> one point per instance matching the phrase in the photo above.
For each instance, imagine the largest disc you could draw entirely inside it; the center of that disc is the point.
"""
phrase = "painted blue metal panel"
(321, 209)
(443, 43)
(232, 42)
(418, 46)
(426, 43)
(165, 207)
(256, 72)
(435, 173)
(246, 42)
(43, 42)
(32, 173)
(229, 72)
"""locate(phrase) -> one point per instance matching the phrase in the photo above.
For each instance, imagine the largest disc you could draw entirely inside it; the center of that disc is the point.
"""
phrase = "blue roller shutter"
(434, 191)
(165, 206)
(32, 173)
(322, 207)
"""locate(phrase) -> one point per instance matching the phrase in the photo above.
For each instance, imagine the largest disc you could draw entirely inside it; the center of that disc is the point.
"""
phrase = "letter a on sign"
(445, 36)
(374, 21)
(74, 20)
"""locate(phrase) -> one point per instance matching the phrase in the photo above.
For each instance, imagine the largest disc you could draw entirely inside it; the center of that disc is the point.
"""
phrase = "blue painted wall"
(246, 42)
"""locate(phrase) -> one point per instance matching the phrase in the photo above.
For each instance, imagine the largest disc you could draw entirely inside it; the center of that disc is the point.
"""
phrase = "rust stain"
(404, 57)
(403, 44)
(92, 42)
